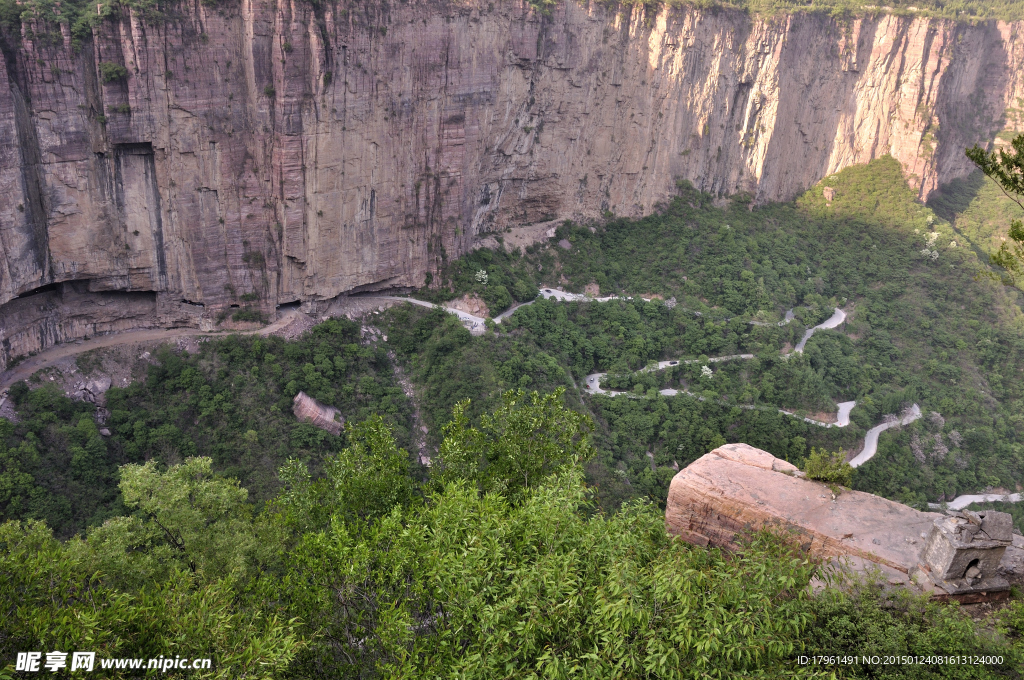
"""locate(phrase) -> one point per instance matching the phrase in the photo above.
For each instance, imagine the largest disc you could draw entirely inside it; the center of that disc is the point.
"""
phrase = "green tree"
(364, 481)
(186, 519)
(528, 438)
(1006, 169)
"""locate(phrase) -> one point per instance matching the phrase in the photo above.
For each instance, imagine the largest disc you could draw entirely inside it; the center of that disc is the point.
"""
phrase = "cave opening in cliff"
(50, 287)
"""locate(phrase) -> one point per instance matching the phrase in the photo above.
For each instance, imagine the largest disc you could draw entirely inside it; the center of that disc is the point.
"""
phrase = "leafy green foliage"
(507, 278)
(527, 439)
(472, 586)
(887, 622)
(366, 480)
(920, 328)
(109, 71)
(1006, 168)
(828, 467)
(54, 465)
(1011, 624)
(977, 209)
(453, 366)
(250, 315)
(53, 599)
(642, 442)
(230, 402)
(185, 519)
(352, 575)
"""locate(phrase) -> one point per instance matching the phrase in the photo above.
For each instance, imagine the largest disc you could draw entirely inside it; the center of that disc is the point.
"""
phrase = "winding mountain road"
(871, 438)
(50, 356)
(961, 502)
(477, 325)
(838, 317)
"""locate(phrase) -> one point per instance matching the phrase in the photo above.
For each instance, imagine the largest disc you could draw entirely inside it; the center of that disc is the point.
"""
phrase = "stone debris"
(470, 304)
(93, 391)
(309, 410)
(299, 324)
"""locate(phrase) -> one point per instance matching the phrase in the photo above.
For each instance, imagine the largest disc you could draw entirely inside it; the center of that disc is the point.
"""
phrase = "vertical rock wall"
(270, 151)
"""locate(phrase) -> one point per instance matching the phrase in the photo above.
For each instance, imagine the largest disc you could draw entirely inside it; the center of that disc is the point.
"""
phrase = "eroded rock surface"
(266, 153)
(309, 410)
(737, 488)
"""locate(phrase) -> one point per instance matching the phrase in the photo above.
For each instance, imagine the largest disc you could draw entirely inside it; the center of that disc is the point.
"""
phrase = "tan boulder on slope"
(308, 409)
(737, 487)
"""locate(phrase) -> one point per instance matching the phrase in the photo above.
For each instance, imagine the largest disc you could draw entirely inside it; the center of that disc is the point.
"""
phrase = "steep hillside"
(163, 163)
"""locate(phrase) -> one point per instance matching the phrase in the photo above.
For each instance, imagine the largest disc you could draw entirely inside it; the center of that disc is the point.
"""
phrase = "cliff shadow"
(951, 199)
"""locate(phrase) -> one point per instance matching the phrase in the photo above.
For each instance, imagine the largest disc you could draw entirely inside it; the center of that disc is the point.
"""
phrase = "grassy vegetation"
(977, 209)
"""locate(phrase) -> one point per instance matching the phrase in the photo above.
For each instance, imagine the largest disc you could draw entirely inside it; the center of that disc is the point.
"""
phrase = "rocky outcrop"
(736, 488)
(262, 153)
(471, 304)
(309, 410)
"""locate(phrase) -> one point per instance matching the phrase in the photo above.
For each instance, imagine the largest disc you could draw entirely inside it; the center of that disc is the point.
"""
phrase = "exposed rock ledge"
(737, 487)
(309, 410)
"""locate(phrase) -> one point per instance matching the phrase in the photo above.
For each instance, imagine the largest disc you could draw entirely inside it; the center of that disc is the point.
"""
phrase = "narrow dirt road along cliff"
(250, 154)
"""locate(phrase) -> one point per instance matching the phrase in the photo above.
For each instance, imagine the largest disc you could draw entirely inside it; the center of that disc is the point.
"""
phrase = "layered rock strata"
(736, 488)
(260, 153)
(309, 410)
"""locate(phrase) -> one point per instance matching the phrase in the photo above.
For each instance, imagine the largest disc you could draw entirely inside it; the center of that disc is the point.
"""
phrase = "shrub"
(830, 468)
(498, 299)
(248, 315)
(109, 71)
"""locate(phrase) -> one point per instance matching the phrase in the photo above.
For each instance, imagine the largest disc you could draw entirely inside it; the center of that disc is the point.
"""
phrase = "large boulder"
(736, 488)
(308, 409)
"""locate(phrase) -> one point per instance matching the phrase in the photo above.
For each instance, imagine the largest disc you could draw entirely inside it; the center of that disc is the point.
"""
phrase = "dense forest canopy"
(921, 327)
(361, 572)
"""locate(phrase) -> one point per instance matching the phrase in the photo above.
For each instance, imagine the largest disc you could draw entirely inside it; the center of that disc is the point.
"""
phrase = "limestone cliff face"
(268, 152)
